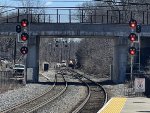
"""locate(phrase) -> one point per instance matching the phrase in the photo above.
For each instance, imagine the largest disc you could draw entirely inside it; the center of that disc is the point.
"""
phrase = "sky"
(49, 3)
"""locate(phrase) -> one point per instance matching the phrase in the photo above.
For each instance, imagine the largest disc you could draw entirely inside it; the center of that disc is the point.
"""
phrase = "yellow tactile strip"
(114, 105)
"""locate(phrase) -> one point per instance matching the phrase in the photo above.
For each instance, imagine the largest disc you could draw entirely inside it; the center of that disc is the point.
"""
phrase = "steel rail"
(86, 99)
(106, 96)
(49, 100)
(31, 99)
(82, 105)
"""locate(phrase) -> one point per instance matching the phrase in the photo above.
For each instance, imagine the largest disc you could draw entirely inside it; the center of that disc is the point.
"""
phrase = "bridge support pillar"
(119, 60)
(32, 62)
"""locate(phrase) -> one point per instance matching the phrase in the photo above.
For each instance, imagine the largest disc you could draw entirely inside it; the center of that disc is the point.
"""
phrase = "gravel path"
(12, 97)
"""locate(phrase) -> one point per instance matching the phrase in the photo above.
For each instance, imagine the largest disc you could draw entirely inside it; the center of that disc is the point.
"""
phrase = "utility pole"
(15, 51)
(69, 50)
(61, 49)
(138, 31)
(132, 50)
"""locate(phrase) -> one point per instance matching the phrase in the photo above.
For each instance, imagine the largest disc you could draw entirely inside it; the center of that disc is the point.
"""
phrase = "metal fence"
(129, 90)
(74, 15)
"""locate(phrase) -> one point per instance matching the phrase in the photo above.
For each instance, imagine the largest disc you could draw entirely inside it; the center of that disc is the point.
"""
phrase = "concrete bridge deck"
(74, 29)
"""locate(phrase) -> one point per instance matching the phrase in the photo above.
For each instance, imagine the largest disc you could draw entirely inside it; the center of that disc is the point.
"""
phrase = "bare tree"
(36, 12)
(118, 12)
(3, 4)
(95, 55)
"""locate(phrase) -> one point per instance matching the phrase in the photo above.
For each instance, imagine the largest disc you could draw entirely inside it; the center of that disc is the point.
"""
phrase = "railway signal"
(138, 28)
(132, 23)
(24, 23)
(18, 28)
(132, 50)
(132, 37)
(56, 44)
(24, 36)
(22, 28)
(24, 50)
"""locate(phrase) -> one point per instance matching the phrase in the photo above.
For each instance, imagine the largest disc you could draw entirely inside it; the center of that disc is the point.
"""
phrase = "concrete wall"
(119, 60)
(33, 59)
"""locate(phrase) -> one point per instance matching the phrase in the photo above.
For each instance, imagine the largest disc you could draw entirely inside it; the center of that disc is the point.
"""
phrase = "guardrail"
(73, 15)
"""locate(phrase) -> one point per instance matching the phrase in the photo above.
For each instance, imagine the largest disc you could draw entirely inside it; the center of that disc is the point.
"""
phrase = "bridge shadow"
(69, 83)
(107, 82)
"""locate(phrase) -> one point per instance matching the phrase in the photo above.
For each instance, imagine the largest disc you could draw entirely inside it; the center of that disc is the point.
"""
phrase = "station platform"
(127, 105)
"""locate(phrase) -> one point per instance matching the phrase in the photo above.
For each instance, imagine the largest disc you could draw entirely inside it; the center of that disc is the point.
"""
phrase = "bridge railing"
(73, 15)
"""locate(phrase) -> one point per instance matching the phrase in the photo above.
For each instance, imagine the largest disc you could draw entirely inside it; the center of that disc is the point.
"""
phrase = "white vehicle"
(18, 70)
(63, 63)
(58, 65)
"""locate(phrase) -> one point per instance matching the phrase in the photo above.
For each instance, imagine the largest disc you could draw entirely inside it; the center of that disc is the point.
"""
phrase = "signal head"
(132, 37)
(18, 28)
(24, 36)
(138, 28)
(24, 23)
(24, 50)
(132, 50)
(133, 23)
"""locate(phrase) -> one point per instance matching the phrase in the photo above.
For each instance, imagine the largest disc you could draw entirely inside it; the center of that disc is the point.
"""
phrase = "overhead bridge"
(119, 32)
(76, 30)
(110, 24)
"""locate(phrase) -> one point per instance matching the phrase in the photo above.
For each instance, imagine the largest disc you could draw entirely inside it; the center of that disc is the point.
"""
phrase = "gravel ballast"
(14, 97)
(63, 104)
(67, 101)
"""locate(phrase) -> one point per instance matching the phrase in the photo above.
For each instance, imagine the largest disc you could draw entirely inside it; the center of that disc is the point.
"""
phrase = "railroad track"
(96, 96)
(39, 101)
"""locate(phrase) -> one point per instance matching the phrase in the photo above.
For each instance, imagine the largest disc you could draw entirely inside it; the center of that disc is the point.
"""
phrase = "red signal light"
(133, 23)
(24, 36)
(132, 37)
(132, 50)
(24, 23)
